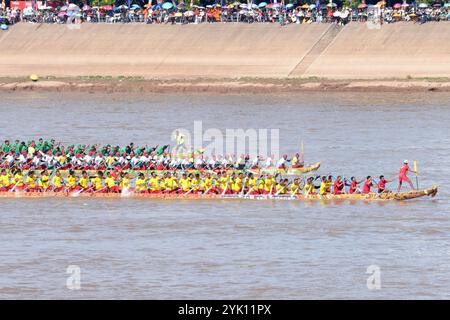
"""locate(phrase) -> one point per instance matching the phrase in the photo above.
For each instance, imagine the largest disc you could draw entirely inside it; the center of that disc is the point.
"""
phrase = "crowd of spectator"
(249, 12)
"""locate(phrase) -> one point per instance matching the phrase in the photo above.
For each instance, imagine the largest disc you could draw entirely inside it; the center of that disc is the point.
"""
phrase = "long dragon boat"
(400, 196)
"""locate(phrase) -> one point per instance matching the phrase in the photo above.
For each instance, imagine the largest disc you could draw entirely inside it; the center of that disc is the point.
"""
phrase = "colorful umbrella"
(73, 7)
(62, 14)
(397, 6)
(262, 4)
(362, 6)
(86, 8)
(305, 6)
(423, 5)
(167, 5)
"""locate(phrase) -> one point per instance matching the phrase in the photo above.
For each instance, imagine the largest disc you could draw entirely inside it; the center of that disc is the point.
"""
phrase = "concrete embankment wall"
(226, 50)
(396, 50)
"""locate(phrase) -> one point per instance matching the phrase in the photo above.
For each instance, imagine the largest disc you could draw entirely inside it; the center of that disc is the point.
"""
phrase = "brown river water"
(236, 249)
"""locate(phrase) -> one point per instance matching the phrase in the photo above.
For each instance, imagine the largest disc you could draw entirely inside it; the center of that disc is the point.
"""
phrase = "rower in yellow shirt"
(154, 183)
(57, 181)
(310, 188)
(185, 183)
(195, 183)
(262, 185)
(44, 181)
(111, 184)
(323, 190)
(5, 183)
(238, 184)
(295, 187)
(30, 182)
(140, 184)
(124, 183)
(97, 182)
(252, 184)
(83, 182)
(269, 184)
(206, 185)
(18, 180)
(222, 180)
(281, 187)
(71, 181)
(170, 183)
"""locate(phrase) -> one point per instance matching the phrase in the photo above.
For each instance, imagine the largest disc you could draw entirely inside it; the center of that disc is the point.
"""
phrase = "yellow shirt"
(207, 183)
(31, 151)
(323, 188)
(252, 184)
(223, 182)
(57, 181)
(269, 183)
(141, 184)
(170, 183)
(110, 160)
(44, 182)
(110, 182)
(61, 159)
(261, 184)
(83, 182)
(185, 184)
(31, 181)
(294, 160)
(195, 184)
(98, 183)
(18, 178)
(71, 181)
(295, 188)
(237, 186)
(124, 182)
(4, 180)
(154, 183)
(280, 189)
(309, 188)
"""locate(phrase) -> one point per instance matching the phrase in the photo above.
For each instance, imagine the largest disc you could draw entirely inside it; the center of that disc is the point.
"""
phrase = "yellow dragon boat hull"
(431, 192)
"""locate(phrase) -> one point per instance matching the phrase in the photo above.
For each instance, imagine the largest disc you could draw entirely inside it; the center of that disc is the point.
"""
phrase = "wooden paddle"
(243, 186)
(226, 187)
(14, 187)
(282, 189)
(417, 174)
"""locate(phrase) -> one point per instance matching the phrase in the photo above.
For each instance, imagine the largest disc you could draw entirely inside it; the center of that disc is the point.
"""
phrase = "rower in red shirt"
(367, 185)
(354, 185)
(338, 186)
(402, 176)
(382, 184)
